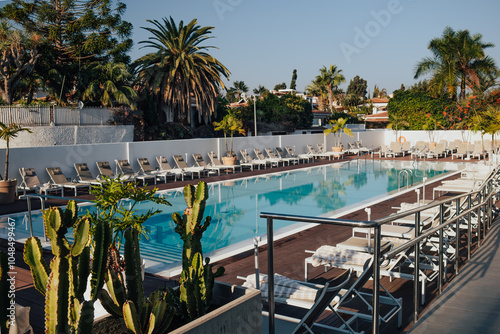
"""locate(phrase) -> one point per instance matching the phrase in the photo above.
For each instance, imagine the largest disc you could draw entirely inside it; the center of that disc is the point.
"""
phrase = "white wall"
(65, 156)
(71, 135)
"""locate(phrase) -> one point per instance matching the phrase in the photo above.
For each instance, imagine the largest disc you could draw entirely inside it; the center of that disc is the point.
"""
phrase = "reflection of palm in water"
(290, 196)
(329, 196)
(224, 219)
(358, 180)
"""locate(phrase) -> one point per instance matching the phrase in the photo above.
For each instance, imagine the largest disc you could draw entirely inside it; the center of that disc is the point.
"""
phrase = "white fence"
(45, 115)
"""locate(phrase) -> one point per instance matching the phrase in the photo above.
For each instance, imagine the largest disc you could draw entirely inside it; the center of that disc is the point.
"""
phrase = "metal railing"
(42, 199)
(479, 202)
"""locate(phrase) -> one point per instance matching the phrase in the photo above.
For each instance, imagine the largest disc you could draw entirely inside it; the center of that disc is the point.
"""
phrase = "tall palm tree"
(8, 133)
(181, 71)
(235, 92)
(458, 60)
(315, 89)
(330, 77)
(260, 90)
(110, 85)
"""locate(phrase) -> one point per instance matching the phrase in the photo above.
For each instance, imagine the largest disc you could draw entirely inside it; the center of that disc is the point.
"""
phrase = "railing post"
(416, 275)
(376, 281)
(457, 235)
(28, 203)
(270, 274)
(440, 251)
(469, 227)
(479, 220)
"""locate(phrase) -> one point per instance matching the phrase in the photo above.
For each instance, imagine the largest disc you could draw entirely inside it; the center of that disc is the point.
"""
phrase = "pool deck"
(289, 254)
(470, 303)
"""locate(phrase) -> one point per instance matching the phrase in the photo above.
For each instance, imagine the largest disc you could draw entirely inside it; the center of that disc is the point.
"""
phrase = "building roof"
(380, 117)
(378, 100)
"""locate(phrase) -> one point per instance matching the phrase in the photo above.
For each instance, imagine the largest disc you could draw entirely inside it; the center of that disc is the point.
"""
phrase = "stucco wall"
(72, 135)
(65, 156)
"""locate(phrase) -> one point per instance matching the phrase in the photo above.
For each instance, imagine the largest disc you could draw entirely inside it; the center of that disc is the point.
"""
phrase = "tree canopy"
(458, 60)
(289, 109)
(75, 34)
(181, 72)
(411, 110)
(293, 83)
(356, 91)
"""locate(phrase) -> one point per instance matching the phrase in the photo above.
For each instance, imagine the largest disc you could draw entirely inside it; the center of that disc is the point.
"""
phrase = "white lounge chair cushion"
(284, 287)
(335, 256)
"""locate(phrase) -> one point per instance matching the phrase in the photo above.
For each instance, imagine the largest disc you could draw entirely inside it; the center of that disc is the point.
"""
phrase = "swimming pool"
(235, 205)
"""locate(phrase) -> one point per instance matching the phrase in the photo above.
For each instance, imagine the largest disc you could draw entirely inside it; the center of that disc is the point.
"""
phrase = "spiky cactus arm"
(135, 290)
(102, 242)
(64, 284)
(32, 255)
(190, 226)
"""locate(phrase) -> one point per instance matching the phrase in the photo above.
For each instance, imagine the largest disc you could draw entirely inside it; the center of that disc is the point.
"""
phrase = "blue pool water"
(235, 205)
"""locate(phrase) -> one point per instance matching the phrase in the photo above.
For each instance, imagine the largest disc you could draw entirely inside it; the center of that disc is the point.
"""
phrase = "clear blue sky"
(261, 42)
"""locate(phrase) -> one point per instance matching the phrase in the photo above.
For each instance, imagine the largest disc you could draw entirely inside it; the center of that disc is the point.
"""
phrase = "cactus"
(197, 279)
(140, 316)
(64, 283)
(132, 289)
(155, 317)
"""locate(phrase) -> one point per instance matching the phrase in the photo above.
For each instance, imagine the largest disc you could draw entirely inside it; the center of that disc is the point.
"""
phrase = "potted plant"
(230, 124)
(7, 186)
(337, 127)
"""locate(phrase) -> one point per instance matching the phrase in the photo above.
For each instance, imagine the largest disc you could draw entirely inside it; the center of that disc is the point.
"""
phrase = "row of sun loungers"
(423, 149)
(149, 175)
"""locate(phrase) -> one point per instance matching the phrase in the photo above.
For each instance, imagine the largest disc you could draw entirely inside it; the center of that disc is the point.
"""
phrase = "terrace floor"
(289, 256)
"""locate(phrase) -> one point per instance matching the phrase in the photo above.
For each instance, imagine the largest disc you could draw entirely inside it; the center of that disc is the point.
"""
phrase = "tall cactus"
(197, 279)
(120, 291)
(65, 282)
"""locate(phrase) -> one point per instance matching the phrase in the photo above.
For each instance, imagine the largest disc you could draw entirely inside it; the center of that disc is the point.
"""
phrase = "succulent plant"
(64, 283)
(197, 279)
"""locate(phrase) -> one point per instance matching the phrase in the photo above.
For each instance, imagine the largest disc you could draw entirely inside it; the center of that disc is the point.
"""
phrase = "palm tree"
(260, 90)
(315, 89)
(7, 133)
(458, 60)
(110, 85)
(330, 78)
(234, 93)
(181, 70)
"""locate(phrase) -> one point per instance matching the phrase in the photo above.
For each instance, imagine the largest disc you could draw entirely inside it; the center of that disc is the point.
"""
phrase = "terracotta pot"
(229, 161)
(8, 191)
(432, 146)
(336, 149)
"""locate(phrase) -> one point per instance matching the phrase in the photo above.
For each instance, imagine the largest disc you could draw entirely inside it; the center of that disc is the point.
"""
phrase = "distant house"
(379, 105)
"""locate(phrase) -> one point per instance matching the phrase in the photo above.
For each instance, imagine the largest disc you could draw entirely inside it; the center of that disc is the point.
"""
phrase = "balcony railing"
(480, 203)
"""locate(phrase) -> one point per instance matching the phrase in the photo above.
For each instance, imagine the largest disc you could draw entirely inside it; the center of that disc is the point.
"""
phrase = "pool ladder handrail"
(405, 172)
(42, 198)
